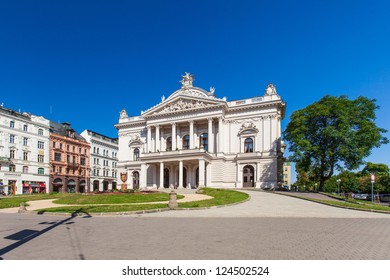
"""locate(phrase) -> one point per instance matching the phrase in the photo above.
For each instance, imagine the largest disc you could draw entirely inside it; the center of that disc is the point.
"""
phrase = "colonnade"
(156, 139)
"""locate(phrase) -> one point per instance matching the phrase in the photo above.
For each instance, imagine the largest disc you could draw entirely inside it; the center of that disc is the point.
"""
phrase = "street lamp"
(338, 184)
(372, 187)
(315, 187)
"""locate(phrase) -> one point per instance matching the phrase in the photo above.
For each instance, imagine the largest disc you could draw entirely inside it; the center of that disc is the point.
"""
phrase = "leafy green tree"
(333, 133)
(376, 168)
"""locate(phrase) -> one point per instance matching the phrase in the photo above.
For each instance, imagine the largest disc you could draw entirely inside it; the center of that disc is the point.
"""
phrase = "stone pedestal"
(172, 200)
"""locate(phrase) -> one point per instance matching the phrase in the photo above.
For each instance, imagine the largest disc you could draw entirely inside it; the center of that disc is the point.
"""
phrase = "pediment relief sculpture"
(182, 105)
(248, 127)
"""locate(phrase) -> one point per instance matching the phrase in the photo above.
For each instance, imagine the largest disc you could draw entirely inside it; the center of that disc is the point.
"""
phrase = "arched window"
(204, 141)
(169, 144)
(248, 145)
(136, 154)
(186, 142)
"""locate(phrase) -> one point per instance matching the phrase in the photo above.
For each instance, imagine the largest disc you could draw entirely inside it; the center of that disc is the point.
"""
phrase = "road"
(269, 226)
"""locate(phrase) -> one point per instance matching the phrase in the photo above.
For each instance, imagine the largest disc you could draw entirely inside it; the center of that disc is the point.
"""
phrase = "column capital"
(174, 124)
(157, 126)
(210, 119)
(191, 121)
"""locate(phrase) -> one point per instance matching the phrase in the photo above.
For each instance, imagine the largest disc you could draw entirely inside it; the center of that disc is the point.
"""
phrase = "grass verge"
(114, 198)
(103, 208)
(353, 204)
(15, 201)
(220, 197)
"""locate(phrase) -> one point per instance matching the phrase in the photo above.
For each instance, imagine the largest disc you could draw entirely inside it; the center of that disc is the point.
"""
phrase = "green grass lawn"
(114, 198)
(220, 197)
(16, 200)
(103, 208)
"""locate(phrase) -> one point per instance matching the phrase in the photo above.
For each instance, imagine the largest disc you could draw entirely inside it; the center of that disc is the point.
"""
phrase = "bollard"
(22, 208)
(172, 200)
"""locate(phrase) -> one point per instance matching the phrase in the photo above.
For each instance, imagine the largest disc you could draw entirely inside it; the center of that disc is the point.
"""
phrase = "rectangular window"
(41, 158)
(57, 156)
(12, 124)
(41, 171)
(67, 147)
(12, 168)
(82, 161)
(25, 155)
(41, 145)
(60, 169)
(12, 153)
(68, 158)
(12, 138)
(25, 127)
(25, 169)
(54, 144)
(60, 146)
(40, 131)
(25, 141)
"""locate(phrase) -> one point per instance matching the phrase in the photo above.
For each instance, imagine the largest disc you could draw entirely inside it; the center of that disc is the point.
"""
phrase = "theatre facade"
(195, 139)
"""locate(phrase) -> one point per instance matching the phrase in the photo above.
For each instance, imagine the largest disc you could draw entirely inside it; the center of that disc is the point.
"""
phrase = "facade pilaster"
(144, 176)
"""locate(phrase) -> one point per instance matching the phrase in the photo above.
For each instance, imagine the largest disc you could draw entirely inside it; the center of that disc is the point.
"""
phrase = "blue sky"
(87, 60)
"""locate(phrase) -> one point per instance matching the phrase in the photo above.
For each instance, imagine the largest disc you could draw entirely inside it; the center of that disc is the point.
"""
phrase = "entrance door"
(249, 175)
(166, 178)
(184, 177)
(197, 177)
(135, 180)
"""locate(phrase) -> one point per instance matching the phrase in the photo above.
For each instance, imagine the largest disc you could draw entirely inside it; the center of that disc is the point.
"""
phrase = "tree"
(333, 133)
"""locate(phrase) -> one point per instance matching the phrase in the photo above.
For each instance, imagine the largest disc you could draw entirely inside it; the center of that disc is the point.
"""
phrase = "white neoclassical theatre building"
(194, 139)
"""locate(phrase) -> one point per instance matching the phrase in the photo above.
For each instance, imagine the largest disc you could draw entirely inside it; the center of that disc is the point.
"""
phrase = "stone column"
(180, 185)
(178, 139)
(220, 135)
(189, 176)
(149, 139)
(201, 172)
(173, 136)
(191, 134)
(211, 136)
(161, 186)
(157, 139)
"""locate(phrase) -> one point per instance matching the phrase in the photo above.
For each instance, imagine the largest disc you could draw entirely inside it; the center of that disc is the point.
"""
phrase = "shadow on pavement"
(27, 235)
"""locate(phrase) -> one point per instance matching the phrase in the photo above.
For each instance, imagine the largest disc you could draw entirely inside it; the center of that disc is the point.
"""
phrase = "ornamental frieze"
(182, 105)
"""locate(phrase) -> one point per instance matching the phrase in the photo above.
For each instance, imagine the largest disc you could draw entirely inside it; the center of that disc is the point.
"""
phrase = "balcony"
(72, 164)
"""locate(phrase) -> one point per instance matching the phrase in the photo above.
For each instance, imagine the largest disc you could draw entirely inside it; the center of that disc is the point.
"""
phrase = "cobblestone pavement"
(323, 233)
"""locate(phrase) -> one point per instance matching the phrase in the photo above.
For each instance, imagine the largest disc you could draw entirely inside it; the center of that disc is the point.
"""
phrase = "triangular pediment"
(182, 103)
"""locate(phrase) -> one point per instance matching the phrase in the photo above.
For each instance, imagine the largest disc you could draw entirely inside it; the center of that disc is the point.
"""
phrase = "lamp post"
(372, 187)
(338, 184)
(315, 187)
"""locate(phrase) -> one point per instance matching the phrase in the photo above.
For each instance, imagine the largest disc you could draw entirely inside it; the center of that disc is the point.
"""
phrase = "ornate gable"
(183, 103)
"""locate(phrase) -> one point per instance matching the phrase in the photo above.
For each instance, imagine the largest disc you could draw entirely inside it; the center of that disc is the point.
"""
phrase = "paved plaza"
(268, 226)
